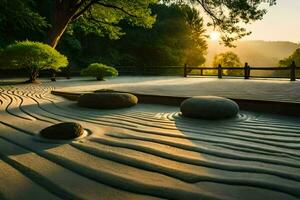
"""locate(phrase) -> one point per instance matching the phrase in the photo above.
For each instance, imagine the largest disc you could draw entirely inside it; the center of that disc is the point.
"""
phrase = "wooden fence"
(187, 71)
(246, 70)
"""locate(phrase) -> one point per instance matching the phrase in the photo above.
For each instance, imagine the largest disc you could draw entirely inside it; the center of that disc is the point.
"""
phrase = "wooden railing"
(187, 71)
(246, 70)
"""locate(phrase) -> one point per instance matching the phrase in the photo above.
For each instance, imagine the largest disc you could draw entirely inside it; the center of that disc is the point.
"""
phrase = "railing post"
(246, 71)
(220, 73)
(293, 71)
(185, 70)
(68, 73)
(53, 75)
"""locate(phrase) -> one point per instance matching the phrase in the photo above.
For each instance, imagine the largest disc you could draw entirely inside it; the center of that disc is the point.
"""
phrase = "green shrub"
(33, 56)
(99, 71)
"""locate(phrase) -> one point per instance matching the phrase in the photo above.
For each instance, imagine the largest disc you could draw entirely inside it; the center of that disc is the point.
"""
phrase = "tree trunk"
(100, 78)
(55, 35)
(33, 74)
(58, 28)
(64, 11)
(53, 78)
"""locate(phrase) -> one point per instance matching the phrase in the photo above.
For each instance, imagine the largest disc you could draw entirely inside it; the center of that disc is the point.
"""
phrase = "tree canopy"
(228, 59)
(141, 46)
(33, 56)
(19, 19)
(104, 16)
(288, 61)
(177, 37)
(228, 16)
(98, 16)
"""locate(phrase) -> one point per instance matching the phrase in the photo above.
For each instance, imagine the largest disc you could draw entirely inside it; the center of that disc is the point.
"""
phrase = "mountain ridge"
(255, 52)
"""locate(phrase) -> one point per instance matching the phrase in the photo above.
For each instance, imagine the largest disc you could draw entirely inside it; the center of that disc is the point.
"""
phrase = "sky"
(281, 23)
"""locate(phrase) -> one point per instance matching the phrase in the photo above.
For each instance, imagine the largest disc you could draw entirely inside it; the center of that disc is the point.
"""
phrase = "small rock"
(63, 131)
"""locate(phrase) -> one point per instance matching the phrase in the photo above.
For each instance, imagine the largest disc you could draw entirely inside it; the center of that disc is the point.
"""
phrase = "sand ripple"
(144, 152)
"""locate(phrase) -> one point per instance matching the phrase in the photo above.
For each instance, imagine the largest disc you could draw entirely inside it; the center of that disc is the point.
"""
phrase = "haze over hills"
(255, 52)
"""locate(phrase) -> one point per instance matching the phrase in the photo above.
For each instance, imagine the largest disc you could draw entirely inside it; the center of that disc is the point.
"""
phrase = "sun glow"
(214, 36)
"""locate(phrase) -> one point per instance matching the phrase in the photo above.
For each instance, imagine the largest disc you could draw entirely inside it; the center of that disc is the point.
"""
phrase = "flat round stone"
(209, 107)
(63, 131)
(107, 100)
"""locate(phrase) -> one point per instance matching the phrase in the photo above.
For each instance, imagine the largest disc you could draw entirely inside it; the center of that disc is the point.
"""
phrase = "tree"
(146, 47)
(227, 16)
(165, 44)
(19, 19)
(104, 16)
(197, 44)
(288, 61)
(228, 59)
(99, 71)
(33, 56)
(99, 16)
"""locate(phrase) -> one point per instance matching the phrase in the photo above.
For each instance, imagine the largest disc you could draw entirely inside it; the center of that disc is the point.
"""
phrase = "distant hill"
(256, 53)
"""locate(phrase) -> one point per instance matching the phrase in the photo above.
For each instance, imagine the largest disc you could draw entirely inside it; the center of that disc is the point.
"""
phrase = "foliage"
(34, 56)
(19, 18)
(101, 17)
(177, 37)
(228, 59)
(28, 54)
(155, 47)
(99, 71)
(104, 17)
(288, 61)
(198, 44)
(227, 16)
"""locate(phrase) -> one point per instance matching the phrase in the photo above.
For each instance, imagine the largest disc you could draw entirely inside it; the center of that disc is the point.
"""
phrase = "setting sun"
(214, 36)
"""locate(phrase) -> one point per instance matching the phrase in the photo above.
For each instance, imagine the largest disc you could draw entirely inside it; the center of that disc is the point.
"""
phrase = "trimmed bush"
(99, 71)
(33, 56)
(63, 131)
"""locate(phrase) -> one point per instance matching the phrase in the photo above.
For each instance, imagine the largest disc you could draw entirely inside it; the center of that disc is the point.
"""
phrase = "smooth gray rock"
(107, 100)
(209, 107)
(63, 131)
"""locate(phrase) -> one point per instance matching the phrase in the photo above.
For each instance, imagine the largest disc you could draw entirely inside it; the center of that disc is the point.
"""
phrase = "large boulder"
(63, 131)
(107, 100)
(209, 107)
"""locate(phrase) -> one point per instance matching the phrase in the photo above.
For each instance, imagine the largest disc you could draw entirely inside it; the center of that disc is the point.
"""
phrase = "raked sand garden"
(148, 151)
